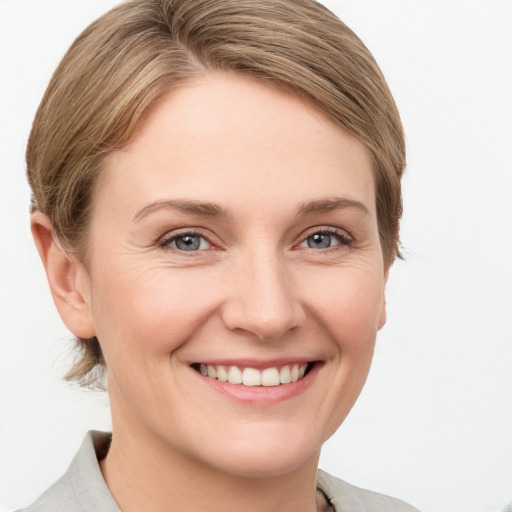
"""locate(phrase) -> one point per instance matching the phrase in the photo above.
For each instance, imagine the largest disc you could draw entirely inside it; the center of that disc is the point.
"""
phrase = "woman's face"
(236, 235)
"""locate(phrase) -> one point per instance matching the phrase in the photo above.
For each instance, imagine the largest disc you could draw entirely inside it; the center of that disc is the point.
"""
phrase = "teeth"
(222, 374)
(253, 377)
(284, 375)
(270, 377)
(235, 375)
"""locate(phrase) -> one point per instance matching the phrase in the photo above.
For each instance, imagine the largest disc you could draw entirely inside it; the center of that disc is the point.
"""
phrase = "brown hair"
(142, 49)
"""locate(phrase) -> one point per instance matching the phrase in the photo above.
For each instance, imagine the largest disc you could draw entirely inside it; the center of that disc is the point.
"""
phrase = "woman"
(216, 200)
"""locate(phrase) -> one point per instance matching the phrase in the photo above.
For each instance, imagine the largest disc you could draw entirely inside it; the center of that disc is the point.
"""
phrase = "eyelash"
(341, 236)
(164, 242)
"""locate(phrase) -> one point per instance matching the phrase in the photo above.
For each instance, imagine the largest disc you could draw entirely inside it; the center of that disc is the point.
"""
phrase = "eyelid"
(344, 237)
(164, 240)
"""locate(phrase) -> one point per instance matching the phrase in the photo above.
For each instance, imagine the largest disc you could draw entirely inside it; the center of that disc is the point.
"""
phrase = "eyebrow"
(327, 205)
(208, 209)
(205, 209)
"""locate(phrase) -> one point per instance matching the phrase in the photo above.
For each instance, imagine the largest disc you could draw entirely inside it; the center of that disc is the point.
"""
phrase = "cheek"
(349, 313)
(351, 308)
(151, 311)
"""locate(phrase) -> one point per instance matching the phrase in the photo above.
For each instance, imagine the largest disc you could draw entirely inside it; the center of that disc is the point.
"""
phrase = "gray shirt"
(83, 489)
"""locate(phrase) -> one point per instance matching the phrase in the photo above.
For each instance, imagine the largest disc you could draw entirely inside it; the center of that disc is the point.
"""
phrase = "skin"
(253, 291)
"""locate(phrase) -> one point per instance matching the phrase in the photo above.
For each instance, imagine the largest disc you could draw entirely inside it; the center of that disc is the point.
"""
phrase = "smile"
(247, 376)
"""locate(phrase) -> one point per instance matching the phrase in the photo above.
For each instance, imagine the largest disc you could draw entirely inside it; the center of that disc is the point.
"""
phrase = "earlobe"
(382, 314)
(65, 277)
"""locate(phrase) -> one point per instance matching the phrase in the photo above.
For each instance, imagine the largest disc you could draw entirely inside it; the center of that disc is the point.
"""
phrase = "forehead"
(225, 133)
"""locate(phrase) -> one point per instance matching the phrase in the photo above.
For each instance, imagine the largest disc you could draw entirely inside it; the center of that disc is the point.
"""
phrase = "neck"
(144, 473)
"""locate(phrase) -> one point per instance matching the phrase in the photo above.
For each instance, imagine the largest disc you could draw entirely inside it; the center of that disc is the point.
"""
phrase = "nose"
(262, 298)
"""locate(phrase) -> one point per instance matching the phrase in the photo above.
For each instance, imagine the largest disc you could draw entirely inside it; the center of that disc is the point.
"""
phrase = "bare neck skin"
(149, 475)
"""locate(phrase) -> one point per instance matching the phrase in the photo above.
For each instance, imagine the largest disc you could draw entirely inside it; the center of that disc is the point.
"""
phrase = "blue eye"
(325, 240)
(319, 241)
(188, 242)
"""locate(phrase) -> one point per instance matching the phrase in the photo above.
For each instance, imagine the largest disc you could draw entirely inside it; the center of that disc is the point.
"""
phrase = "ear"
(67, 278)
(383, 313)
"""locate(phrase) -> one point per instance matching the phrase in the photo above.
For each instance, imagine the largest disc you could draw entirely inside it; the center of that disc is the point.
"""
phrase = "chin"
(265, 453)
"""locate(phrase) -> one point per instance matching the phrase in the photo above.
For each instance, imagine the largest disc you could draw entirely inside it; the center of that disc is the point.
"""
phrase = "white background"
(434, 423)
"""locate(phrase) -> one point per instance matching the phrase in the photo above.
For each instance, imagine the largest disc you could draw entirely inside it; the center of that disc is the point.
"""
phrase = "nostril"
(263, 302)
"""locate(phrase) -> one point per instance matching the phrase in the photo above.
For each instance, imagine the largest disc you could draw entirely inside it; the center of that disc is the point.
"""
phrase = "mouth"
(271, 376)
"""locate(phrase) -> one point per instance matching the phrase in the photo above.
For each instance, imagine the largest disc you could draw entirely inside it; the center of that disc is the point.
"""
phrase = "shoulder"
(82, 488)
(58, 498)
(349, 498)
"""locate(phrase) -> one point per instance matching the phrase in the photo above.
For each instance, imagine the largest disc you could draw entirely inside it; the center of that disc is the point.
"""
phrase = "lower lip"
(262, 395)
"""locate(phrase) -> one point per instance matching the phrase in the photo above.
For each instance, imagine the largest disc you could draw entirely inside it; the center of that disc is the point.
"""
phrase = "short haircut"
(143, 49)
